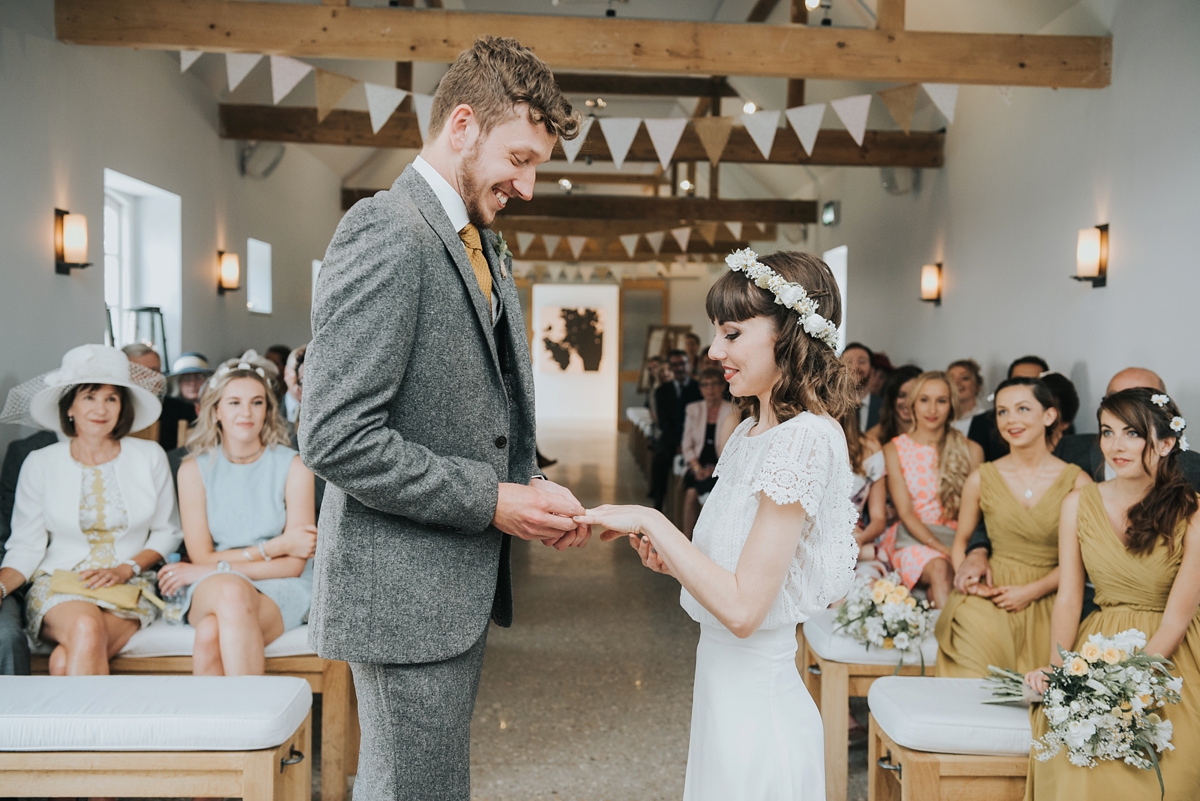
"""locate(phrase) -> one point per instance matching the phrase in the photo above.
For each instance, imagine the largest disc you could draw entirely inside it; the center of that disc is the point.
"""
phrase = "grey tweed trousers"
(416, 727)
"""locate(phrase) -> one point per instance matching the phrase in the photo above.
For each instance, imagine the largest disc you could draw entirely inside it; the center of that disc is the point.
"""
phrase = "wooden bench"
(156, 736)
(934, 740)
(157, 649)
(835, 669)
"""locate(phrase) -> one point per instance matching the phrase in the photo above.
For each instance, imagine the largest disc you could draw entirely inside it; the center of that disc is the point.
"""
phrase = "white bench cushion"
(150, 713)
(837, 647)
(163, 639)
(948, 716)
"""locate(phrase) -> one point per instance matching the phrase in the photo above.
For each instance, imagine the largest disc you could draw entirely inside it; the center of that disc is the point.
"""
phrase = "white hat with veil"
(35, 402)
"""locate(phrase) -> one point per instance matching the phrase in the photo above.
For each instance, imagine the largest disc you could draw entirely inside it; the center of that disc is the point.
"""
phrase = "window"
(118, 265)
(836, 259)
(258, 276)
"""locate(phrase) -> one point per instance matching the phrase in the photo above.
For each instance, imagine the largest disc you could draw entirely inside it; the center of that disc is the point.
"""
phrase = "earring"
(70, 419)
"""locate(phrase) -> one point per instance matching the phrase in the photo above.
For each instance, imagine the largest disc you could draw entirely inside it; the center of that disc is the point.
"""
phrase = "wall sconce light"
(931, 283)
(229, 277)
(70, 241)
(1091, 255)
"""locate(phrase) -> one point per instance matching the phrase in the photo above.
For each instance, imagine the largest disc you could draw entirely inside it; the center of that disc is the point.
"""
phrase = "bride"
(775, 541)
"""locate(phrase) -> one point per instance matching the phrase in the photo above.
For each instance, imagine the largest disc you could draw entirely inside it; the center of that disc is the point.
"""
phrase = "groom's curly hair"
(495, 76)
(813, 377)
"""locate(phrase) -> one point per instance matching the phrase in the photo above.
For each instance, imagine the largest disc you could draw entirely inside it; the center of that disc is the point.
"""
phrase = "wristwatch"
(137, 569)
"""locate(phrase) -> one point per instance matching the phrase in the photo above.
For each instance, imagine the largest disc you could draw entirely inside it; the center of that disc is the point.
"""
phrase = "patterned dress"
(919, 466)
(102, 518)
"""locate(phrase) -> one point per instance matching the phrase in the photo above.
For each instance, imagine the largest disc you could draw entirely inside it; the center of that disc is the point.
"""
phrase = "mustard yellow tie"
(470, 239)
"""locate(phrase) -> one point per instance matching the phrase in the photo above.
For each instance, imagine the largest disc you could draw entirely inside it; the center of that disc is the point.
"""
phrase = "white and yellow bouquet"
(882, 613)
(1100, 704)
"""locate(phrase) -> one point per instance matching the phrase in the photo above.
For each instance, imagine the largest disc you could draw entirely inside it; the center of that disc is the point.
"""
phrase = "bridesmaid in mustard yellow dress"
(1138, 538)
(1007, 623)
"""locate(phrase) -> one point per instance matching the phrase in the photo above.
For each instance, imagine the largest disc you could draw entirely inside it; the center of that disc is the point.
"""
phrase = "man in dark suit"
(983, 426)
(1082, 450)
(859, 358)
(670, 401)
(14, 648)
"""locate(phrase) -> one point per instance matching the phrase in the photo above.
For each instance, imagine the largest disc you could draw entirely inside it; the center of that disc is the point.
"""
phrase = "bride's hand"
(650, 557)
(618, 521)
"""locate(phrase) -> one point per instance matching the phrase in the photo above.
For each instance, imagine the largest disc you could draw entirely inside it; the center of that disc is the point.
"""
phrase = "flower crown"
(1178, 424)
(787, 293)
(241, 366)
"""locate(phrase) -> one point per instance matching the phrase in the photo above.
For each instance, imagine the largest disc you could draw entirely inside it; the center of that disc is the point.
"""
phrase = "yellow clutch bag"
(122, 596)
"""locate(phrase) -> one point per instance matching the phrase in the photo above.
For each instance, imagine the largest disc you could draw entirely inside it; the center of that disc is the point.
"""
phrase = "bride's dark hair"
(813, 377)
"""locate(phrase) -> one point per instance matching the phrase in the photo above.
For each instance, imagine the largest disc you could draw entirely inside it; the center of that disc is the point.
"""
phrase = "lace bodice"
(801, 461)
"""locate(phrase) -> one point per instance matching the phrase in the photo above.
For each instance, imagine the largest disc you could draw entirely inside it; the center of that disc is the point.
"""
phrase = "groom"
(418, 410)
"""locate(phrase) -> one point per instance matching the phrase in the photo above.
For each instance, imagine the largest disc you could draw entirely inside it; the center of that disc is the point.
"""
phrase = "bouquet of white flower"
(881, 612)
(1100, 703)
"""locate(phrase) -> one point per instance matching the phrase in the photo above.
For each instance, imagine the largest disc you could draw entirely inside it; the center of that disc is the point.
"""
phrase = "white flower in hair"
(1160, 400)
(1178, 424)
(787, 293)
(1183, 443)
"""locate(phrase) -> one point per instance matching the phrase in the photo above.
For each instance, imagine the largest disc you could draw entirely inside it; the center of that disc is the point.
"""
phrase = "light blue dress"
(245, 505)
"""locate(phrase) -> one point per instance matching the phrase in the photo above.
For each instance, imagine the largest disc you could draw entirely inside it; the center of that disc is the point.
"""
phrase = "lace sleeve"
(797, 467)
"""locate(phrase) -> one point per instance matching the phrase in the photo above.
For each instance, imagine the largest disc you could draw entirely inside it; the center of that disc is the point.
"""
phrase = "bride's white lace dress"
(756, 733)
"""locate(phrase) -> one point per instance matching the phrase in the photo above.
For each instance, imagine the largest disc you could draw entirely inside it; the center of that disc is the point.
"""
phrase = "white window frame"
(259, 289)
(120, 289)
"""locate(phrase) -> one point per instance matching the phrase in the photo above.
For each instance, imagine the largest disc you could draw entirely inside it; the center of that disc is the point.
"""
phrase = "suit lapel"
(499, 278)
(435, 215)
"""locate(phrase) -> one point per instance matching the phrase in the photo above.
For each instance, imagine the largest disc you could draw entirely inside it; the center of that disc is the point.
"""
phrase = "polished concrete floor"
(588, 696)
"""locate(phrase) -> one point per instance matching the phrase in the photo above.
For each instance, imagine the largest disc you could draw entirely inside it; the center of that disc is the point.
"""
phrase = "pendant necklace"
(1029, 493)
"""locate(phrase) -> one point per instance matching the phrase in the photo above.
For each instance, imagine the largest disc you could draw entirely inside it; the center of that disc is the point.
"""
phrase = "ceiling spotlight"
(812, 5)
(565, 183)
(750, 107)
(686, 185)
(598, 102)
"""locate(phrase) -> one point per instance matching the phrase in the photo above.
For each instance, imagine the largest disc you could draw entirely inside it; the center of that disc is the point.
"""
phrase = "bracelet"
(246, 555)
(3, 592)
(262, 549)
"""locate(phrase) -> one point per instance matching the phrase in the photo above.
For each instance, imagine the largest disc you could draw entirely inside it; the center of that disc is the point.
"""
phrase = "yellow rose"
(902, 591)
(1090, 651)
(895, 598)
(1147, 700)
(887, 643)
(910, 601)
(1076, 667)
(878, 594)
(1111, 656)
(887, 584)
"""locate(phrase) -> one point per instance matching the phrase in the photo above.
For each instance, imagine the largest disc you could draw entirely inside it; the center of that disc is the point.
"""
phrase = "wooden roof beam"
(583, 83)
(834, 147)
(621, 44)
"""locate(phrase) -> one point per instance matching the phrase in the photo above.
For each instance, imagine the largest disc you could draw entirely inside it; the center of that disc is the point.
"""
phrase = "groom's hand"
(534, 514)
(572, 539)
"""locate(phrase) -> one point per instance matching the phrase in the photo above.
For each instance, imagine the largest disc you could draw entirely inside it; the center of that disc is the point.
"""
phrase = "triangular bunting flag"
(286, 72)
(1005, 93)
(424, 106)
(944, 96)
(735, 228)
(619, 133)
(576, 243)
(331, 88)
(238, 66)
(713, 133)
(708, 232)
(655, 240)
(762, 125)
(682, 235)
(187, 58)
(806, 122)
(853, 113)
(901, 101)
(524, 240)
(617, 271)
(551, 242)
(572, 273)
(381, 102)
(630, 242)
(571, 146)
(665, 133)
(586, 273)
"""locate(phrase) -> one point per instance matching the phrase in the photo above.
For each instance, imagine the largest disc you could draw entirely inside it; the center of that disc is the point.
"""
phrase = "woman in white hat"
(98, 506)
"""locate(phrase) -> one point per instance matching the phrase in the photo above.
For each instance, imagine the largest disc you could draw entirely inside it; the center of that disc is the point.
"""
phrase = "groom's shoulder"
(392, 212)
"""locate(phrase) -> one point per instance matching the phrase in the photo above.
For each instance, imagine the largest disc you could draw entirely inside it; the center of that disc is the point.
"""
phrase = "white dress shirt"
(454, 207)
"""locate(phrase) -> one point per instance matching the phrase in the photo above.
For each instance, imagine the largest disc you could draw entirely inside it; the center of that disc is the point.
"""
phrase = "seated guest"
(92, 512)
(1067, 399)
(291, 398)
(187, 377)
(691, 346)
(926, 469)
(881, 370)
(1019, 496)
(968, 383)
(983, 426)
(702, 419)
(895, 414)
(857, 357)
(670, 399)
(277, 355)
(869, 494)
(246, 503)
(177, 414)
(1137, 538)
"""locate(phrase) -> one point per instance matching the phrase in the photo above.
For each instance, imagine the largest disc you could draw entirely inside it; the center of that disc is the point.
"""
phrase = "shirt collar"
(451, 201)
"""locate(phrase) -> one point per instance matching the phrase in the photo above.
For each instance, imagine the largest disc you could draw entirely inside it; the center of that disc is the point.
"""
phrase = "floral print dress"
(919, 465)
(102, 518)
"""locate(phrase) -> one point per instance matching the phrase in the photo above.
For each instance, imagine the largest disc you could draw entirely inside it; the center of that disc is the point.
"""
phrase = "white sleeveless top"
(803, 460)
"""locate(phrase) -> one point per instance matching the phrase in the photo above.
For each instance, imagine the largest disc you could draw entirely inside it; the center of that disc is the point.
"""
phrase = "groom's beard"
(472, 194)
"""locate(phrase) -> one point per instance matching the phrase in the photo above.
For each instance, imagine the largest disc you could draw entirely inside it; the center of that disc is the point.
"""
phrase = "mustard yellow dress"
(973, 632)
(1131, 591)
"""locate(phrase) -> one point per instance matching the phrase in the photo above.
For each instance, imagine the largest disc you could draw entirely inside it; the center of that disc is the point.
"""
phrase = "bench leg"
(835, 717)
(880, 785)
(258, 779)
(335, 730)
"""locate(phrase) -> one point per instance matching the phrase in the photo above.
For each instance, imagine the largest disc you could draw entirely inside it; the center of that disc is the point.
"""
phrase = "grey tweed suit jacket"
(415, 407)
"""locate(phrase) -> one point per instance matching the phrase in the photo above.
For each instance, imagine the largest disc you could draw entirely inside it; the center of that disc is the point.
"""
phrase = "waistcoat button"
(501, 442)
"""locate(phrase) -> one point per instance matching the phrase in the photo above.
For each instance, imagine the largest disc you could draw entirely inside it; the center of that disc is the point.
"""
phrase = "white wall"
(1003, 214)
(67, 113)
